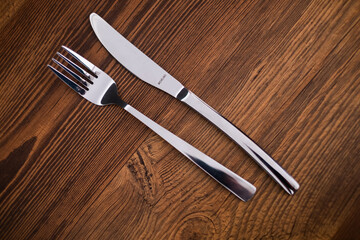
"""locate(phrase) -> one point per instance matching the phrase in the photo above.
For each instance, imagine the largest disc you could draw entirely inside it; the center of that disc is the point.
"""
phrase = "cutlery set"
(97, 87)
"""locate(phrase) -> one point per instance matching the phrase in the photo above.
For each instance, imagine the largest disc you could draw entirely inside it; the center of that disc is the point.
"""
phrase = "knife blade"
(147, 70)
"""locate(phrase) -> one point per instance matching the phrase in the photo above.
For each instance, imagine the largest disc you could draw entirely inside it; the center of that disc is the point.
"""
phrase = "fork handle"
(231, 181)
(287, 182)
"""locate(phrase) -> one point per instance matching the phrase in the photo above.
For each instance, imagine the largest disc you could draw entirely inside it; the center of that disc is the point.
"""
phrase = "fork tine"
(79, 69)
(81, 59)
(77, 77)
(68, 81)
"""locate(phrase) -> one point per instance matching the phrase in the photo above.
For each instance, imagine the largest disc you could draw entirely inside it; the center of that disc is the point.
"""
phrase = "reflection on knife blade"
(147, 70)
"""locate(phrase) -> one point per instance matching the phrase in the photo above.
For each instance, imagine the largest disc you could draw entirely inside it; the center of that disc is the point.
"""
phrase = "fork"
(97, 87)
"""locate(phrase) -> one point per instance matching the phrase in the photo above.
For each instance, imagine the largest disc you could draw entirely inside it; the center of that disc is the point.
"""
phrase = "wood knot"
(195, 226)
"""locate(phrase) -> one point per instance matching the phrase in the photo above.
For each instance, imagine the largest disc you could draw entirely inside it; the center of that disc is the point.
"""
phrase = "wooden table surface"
(285, 72)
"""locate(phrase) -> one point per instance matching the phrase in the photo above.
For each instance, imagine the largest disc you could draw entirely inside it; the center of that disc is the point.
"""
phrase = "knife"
(147, 70)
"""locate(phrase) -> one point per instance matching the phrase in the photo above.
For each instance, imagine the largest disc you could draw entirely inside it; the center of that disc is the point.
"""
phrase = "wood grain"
(286, 72)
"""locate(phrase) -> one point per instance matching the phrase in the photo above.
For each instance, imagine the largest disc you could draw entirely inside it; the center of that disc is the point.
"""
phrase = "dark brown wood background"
(286, 72)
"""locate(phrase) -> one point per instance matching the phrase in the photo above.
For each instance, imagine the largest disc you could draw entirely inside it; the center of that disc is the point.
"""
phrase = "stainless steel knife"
(147, 70)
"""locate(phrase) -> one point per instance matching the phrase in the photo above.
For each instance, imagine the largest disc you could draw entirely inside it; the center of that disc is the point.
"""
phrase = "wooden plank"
(286, 73)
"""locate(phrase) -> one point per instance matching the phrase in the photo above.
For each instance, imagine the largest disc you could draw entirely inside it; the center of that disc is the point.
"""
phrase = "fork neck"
(111, 97)
(120, 102)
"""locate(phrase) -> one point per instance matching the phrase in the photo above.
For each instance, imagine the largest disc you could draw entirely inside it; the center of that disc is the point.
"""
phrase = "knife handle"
(231, 181)
(287, 182)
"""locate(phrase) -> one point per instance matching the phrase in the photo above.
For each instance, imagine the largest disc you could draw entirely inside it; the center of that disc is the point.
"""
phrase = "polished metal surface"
(133, 59)
(286, 181)
(147, 70)
(101, 90)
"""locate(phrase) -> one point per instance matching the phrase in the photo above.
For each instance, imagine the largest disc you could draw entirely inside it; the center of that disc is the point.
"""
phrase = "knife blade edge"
(133, 59)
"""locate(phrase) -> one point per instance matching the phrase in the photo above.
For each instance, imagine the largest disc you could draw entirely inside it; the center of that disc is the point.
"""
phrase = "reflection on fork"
(97, 87)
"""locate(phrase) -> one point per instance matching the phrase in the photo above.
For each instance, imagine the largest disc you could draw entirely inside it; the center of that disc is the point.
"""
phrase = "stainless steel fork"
(98, 88)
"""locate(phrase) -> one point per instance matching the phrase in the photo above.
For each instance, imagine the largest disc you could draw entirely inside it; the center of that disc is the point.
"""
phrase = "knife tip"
(93, 15)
